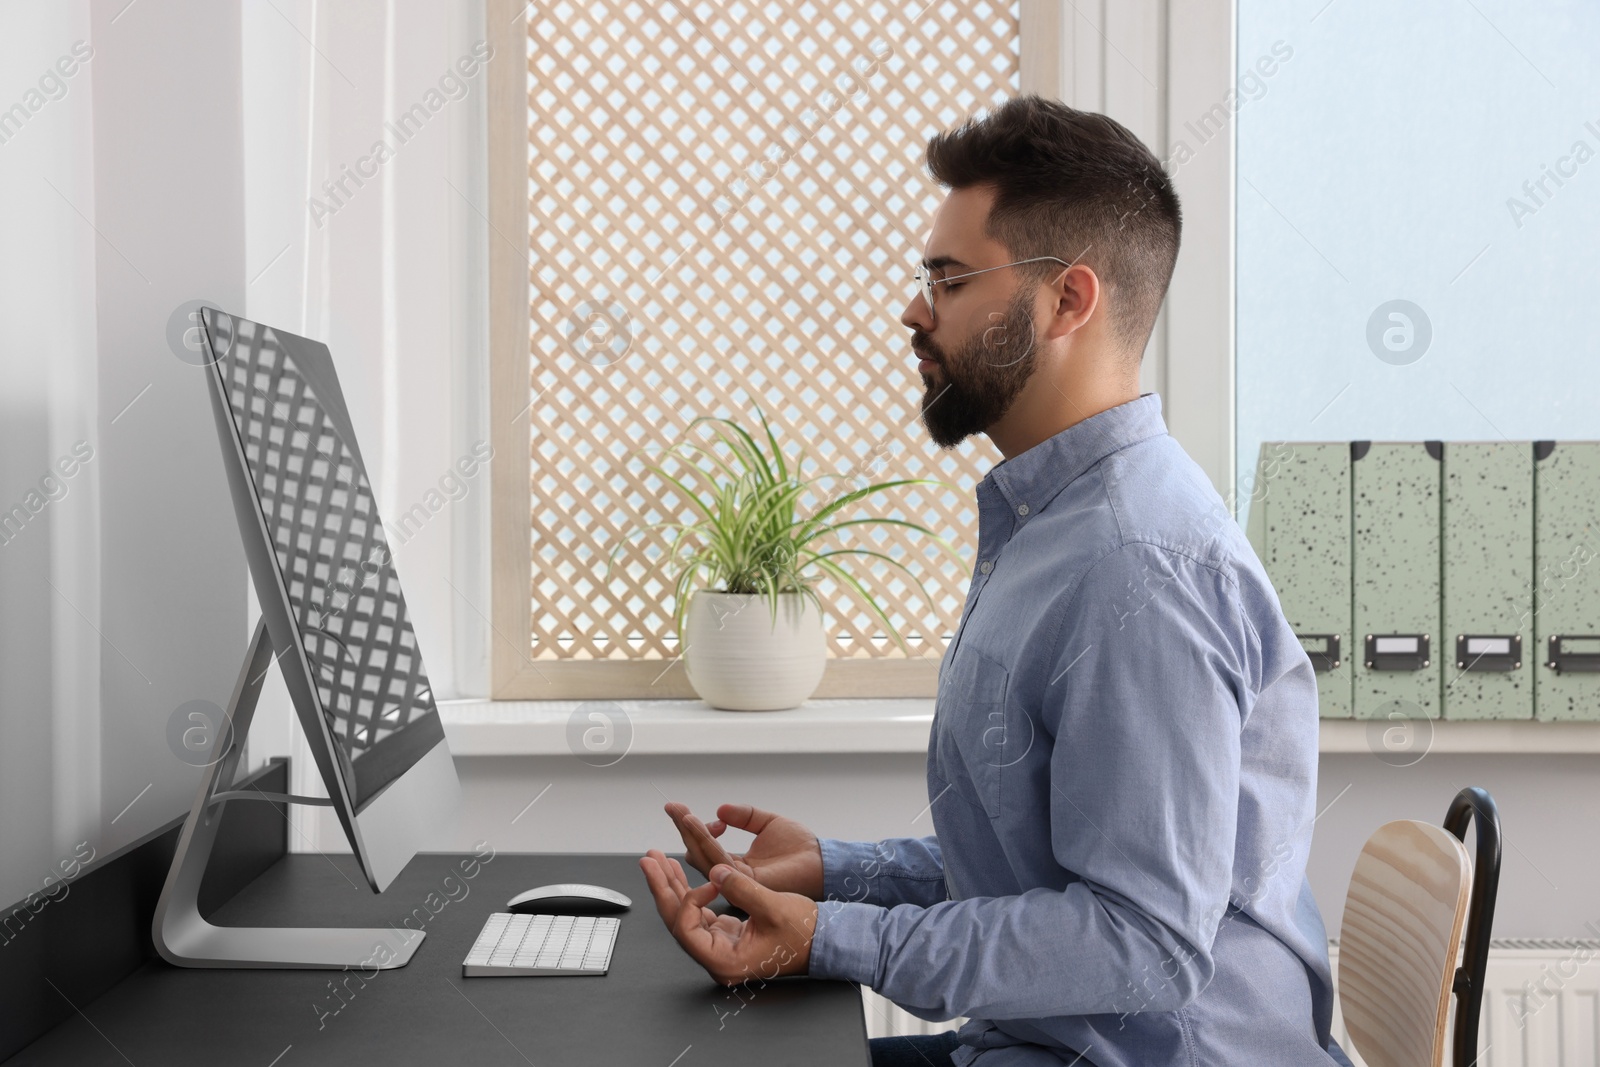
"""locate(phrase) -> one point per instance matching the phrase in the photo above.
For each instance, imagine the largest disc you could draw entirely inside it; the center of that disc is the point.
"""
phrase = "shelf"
(1492, 737)
(690, 727)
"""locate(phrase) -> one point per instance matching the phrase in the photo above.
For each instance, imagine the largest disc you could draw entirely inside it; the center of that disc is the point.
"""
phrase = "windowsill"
(690, 727)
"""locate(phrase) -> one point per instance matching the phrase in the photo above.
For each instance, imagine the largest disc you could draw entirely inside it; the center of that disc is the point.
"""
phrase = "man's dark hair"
(1076, 185)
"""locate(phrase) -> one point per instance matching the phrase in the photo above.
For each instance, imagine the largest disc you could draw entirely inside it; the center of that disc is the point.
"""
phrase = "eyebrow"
(941, 262)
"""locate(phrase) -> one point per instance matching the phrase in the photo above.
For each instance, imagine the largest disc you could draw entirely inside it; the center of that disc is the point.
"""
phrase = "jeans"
(916, 1050)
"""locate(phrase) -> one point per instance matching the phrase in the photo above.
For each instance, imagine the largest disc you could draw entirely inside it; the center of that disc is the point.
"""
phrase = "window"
(1416, 203)
(723, 203)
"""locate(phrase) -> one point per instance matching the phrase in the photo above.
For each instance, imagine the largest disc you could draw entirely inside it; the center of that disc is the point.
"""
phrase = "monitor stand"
(184, 938)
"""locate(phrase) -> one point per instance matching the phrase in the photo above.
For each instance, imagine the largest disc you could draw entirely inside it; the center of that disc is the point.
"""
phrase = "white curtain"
(365, 193)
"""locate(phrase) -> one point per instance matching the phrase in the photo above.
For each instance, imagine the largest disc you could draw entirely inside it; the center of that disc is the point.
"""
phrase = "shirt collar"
(1034, 477)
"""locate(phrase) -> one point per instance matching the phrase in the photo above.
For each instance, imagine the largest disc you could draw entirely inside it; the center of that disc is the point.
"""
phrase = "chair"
(1403, 920)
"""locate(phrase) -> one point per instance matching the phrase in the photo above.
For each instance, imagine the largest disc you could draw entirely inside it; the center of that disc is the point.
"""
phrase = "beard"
(975, 385)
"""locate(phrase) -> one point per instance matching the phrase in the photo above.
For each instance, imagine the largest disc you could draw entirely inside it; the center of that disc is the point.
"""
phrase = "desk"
(656, 1007)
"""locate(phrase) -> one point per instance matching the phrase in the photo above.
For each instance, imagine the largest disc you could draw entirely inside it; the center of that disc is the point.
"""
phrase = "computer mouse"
(569, 897)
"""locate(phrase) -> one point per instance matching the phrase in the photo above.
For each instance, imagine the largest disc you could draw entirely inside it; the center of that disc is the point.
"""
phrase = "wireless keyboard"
(512, 945)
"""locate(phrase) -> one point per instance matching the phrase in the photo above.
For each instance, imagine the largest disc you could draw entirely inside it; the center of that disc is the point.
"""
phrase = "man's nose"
(917, 315)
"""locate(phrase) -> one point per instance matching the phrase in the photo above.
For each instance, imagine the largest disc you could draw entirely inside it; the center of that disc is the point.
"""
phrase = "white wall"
(1547, 886)
(120, 197)
(49, 657)
(168, 202)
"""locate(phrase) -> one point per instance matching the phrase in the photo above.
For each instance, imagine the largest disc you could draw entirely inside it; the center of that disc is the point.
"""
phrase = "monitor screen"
(328, 543)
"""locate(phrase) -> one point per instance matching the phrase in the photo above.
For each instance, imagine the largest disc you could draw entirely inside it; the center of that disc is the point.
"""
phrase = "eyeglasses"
(927, 281)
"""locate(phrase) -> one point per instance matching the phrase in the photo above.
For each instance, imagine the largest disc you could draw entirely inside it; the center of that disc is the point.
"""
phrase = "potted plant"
(746, 610)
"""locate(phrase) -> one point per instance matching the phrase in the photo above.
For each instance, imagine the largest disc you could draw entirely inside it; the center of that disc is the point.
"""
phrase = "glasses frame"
(926, 280)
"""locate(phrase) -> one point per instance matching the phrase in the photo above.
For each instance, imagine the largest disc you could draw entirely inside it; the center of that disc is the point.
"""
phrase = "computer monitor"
(334, 619)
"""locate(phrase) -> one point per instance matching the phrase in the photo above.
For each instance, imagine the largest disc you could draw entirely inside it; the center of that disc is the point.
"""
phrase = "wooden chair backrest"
(1399, 940)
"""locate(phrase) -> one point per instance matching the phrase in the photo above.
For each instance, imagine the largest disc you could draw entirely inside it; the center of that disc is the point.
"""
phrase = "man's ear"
(1074, 295)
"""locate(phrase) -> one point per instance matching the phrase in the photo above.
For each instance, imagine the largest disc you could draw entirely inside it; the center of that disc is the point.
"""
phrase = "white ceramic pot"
(738, 659)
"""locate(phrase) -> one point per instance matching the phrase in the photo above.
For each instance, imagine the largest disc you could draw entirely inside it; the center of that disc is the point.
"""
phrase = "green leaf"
(747, 534)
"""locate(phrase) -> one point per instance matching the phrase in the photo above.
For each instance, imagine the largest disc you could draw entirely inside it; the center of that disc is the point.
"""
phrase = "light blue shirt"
(1122, 776)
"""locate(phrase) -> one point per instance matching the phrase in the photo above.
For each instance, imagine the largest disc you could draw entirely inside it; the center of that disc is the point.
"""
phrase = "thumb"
(701, 895)
(741, 890)
(745, 817)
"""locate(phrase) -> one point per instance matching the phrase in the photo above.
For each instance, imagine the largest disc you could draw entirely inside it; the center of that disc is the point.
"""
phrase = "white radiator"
(1542, 1008)
(885, 1018)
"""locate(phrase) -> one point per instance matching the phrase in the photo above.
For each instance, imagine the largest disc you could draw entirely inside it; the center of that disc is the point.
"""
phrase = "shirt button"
(1022, 509)
(986, 566)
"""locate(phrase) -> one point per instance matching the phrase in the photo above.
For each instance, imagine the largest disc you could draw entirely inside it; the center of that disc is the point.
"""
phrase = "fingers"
(654, 865)
(745, 817)
(675, 875)
(681, 816)
(685, 914)
(689, 925)
(731, 951)
(668, 882)
(691, 840)
(741, 890)
(710, 847)
(701, 844)
(669, 900)
(672, 869)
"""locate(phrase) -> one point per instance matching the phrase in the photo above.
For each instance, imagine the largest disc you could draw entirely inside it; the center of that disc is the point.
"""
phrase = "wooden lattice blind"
(726, 200)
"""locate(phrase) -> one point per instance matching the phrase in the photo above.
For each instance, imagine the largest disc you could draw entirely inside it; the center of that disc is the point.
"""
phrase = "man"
(1122, 767)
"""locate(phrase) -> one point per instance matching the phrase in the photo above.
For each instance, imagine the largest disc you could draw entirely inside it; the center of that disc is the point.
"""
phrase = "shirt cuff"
(844, 867)
(846, 942)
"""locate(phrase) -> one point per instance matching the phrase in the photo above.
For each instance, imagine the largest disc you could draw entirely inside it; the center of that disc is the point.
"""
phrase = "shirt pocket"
(973, 724)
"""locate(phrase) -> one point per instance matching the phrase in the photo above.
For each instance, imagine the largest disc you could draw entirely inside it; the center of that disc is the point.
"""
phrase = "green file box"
(1485, 646)
(1395, 511)
(1566, 594)
(1299, 524)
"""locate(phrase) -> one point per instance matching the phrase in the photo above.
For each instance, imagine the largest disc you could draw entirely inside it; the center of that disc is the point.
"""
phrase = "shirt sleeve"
(901, 870)
(1150, 688)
